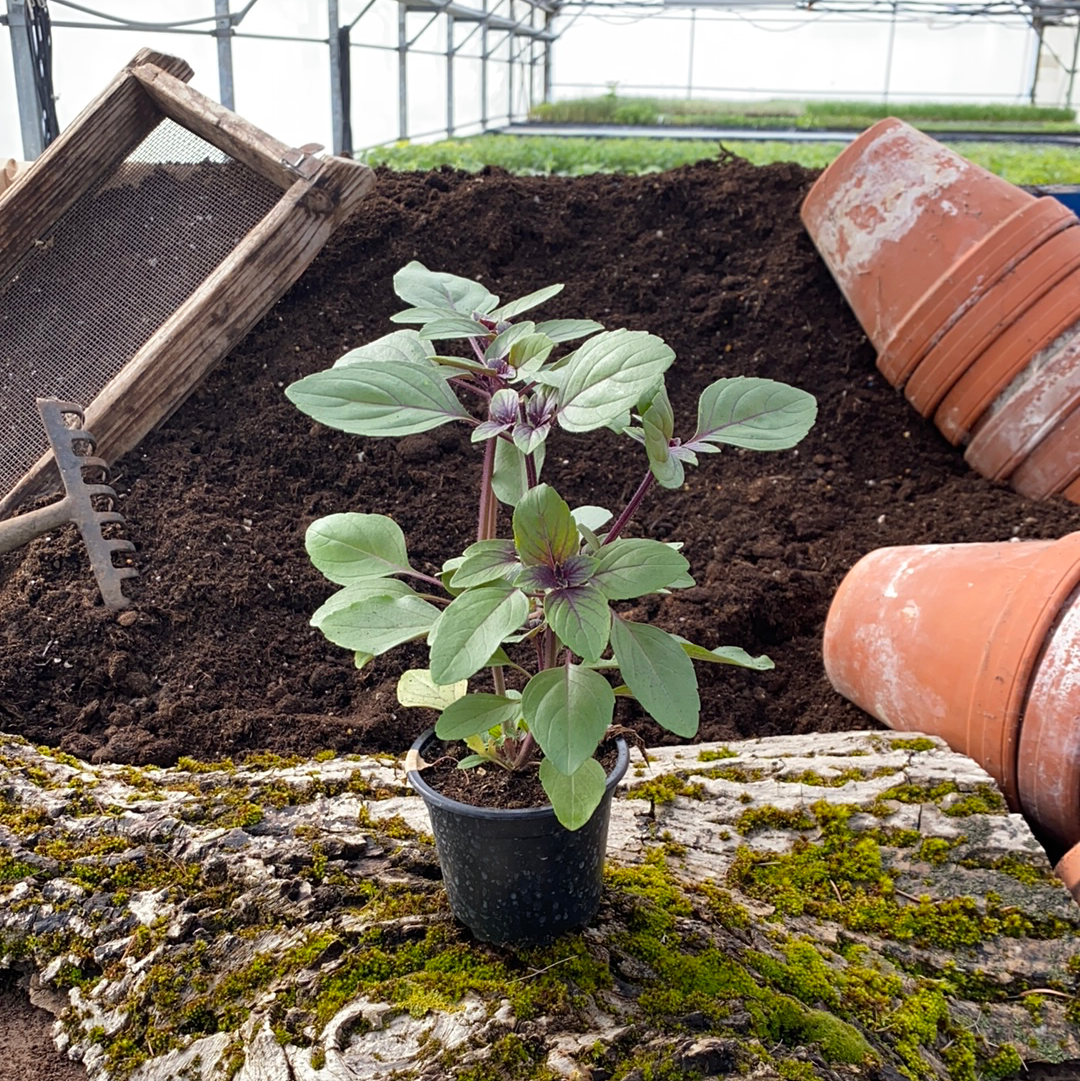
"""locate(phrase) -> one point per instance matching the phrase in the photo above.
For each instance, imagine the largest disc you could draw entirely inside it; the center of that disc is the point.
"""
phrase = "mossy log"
(823, 906)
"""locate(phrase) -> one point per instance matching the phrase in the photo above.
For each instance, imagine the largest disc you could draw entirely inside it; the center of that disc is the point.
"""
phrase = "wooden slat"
(217, 125)
(238, 293)
(99, 138)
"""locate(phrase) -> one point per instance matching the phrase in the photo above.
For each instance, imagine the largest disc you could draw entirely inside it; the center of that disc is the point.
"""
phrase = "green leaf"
(544, 530)
(659, 673)
(416, 688)
(733, 655)
(658, 425)
(360, 590)
(592, 518)
(632, 566)
(476, 713)
(374, 623)
(452, 326)
(661, 414)
(568, 710)
(525, 303)
(362, 659)
(529, 354)
(509, 481)
(376, 399)
(574, 798)
(581, 619)
(608, 375)
(471, 629)
(390, 349)
(566, 330)
(486, 561)
(471, 761)
(760, 414)
(501, 344)
(350, 547)
(417, 285)
(666, 468)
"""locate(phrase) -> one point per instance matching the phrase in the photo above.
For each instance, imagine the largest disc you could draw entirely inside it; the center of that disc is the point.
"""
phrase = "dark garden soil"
(217, 658)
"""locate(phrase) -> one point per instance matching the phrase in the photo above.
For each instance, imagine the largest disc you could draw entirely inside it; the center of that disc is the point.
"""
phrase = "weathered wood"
(158, 379)
(97, 140)
(217, 125)
(850, 905)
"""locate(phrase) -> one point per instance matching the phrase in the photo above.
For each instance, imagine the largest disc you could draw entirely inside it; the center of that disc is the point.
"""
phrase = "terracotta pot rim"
(1050, 468)
(967, 281)
(1049, 749)
(1014, 646)
(1000, 441)
(1068, 870)
(1000, 307)
(976, 391)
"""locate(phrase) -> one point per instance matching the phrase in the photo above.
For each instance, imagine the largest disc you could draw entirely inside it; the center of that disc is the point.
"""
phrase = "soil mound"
(220, 659)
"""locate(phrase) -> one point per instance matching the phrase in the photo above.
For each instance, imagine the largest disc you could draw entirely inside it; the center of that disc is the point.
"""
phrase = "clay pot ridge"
(1049, 749)
(1027, 410)
(967, 281)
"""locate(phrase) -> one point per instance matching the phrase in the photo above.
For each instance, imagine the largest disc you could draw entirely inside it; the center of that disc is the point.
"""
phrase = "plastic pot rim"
(512, 814)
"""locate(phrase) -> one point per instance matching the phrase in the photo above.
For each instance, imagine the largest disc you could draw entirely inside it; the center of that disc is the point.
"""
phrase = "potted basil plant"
(537, 609)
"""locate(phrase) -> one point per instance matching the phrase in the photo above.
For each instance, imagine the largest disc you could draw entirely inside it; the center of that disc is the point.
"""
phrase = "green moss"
(837, 780)
(841, 877)
(717, 755)
(13, 870)
(1006, 1062)
(984, 801)
(793, 1070)
(794, 1024)
(916, 1024)
(1024, 872)
(937, 850)
(920, 743)
(765, 818)
(664, 789)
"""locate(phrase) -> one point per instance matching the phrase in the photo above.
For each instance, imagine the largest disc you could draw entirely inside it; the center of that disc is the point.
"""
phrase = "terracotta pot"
(984, 324)
(967, 281)
(1054, 464)
(1072, 491)
(1044, 391)
(944, 638)
(1068, 870)
(894, 213)
(1049, 759)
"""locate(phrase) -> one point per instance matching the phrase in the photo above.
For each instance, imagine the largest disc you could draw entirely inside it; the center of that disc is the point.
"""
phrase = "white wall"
(283, 87)
(800, 54)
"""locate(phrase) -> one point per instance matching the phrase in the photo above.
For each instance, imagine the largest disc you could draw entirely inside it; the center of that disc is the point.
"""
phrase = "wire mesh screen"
(92, 292)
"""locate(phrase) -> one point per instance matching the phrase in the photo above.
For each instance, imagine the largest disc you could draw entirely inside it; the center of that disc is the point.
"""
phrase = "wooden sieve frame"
(318, 194)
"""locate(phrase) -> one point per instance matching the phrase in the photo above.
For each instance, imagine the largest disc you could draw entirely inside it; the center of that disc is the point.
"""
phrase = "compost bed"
(216, 658)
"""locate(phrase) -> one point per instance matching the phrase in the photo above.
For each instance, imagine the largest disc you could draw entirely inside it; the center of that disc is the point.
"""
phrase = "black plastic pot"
(518, 876)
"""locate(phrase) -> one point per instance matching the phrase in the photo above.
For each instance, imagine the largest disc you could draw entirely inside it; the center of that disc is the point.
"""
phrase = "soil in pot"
(217, 658)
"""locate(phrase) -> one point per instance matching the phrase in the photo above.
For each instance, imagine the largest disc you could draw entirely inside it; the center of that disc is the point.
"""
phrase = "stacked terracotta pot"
(969, 288)
(980, 644)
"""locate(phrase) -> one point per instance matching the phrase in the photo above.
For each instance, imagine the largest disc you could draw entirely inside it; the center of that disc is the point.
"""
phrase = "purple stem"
(627, 514)
(485, 526)
(465, 384)
(530, 470)
(525, 752)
